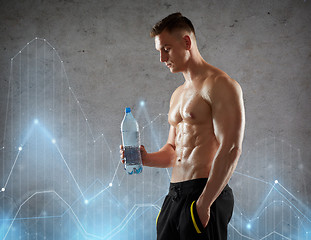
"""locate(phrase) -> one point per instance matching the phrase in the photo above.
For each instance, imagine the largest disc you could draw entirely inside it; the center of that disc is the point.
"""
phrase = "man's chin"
(173, 70)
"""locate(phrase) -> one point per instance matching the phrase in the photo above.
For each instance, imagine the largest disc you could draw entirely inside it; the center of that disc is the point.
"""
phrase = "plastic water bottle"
(131, 143)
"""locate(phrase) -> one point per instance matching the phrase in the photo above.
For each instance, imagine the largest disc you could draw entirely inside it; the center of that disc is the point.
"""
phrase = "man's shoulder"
(177, 90)
(217, 83)
(176, 93)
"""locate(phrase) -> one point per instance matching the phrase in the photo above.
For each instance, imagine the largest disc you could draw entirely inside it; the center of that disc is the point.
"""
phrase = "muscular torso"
(196, 145)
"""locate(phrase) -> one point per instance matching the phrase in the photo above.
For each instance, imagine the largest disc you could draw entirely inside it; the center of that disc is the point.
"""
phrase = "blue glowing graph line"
(153, 120)
(149, 123)
(92, 198)
(122, 179)
(293, 205)
(247, 237)
(51, 191)
(128, 217)
(60, 153)
(254, 178)
(151, 128)
(74, 179)
(73, 203)
(288, 192)
(272, 204)
(6, 183)
(263, 203)
(161, 198)
(53, 216)
(259, 215)
(115, 172)
(115, 231)
(274, 232)
(7, 104)
(273, 188)
(241, 234)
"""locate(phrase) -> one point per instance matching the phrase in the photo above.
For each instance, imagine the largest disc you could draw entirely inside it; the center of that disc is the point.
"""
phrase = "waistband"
(189, 186)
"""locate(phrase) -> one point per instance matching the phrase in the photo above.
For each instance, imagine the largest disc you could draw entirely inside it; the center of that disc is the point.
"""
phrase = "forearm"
(164, 158)
(222, 169)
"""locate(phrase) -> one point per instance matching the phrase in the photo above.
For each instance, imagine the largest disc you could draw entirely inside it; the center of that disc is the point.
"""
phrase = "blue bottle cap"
(127, 110)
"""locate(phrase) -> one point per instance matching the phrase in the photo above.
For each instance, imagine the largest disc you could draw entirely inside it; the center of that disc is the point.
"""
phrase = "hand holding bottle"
(142, 151)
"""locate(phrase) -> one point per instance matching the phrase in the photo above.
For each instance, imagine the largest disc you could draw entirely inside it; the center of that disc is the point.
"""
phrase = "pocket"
(195, 218)
(158, 217)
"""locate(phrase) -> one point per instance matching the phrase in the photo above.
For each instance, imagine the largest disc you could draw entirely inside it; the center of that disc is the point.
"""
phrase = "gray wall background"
(111, 63)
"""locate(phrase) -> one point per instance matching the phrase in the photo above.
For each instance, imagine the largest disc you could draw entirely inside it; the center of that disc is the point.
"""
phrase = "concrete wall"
(110, 63)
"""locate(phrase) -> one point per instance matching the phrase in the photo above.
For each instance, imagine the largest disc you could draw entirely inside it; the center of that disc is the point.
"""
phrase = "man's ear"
(187, 41)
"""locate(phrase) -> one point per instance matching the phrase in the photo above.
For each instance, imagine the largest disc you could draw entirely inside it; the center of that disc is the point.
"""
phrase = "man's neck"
(195, 68)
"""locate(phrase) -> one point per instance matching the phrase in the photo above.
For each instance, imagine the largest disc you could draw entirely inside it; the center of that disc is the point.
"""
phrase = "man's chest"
(190, 106)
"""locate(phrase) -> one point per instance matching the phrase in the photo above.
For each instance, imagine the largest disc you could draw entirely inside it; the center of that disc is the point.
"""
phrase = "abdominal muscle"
(196, 146)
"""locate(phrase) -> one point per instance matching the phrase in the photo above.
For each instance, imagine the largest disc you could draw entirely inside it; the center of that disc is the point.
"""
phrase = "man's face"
(172, 50)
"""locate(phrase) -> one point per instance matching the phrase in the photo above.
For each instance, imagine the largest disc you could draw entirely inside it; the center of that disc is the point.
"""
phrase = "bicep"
(228, 113)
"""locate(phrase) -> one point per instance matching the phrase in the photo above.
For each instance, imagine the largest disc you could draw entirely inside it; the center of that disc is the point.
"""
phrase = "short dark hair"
(172, 22)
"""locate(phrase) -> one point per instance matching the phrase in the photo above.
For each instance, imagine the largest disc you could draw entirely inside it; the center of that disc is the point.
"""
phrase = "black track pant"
(179, 220)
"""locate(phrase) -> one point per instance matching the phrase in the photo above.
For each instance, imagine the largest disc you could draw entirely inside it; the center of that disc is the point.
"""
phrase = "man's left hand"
(203, 212)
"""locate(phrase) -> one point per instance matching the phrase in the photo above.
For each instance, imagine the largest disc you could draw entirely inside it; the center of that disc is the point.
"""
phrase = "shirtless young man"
(207, 121)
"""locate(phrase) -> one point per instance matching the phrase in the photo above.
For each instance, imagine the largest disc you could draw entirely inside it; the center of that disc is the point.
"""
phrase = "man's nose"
(163, 57)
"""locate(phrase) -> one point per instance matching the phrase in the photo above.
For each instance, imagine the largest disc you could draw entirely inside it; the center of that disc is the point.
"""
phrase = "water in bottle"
(131, 143)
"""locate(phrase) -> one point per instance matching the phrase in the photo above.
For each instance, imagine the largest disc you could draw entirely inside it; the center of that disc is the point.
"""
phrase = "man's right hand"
(143, 153)
(122, 154)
